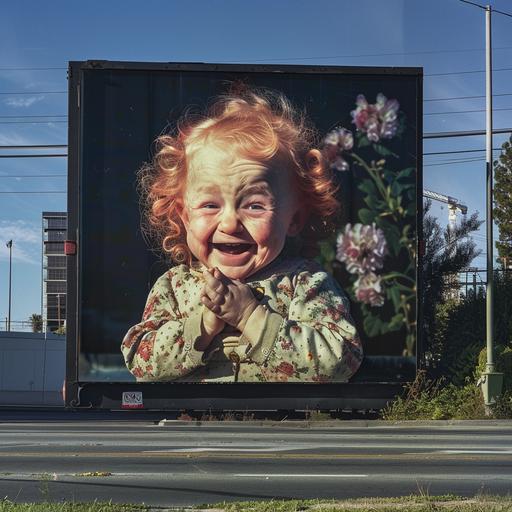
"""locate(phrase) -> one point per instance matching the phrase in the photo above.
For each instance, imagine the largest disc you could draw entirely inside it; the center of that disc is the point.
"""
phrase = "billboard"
(250, 226)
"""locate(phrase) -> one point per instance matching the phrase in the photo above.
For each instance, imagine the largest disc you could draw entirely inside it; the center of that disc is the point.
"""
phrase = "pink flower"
(368, 289)
(362, 248)
(378, 121)
(286, 368)
(145, 349)
(335, 142)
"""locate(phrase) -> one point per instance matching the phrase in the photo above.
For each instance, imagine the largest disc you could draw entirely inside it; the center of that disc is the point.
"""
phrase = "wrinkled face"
(238, 212)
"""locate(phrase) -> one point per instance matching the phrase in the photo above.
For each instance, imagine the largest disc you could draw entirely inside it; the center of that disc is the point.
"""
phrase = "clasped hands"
(226, 301)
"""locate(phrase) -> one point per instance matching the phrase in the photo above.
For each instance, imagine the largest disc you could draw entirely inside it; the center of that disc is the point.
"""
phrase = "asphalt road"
(82, 458)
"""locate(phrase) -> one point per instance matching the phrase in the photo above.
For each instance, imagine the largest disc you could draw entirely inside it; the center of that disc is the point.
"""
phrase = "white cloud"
(26, 239)
(17, 102)
(13, 139)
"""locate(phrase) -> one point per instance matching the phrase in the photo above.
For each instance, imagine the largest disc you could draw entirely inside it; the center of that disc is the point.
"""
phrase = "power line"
(466, 72)
(425, 114)
(460, 151)
(34, 92)
(453, 162)
(36, 146)
(65, 116)
(32, 116)
(36, 192)
(501, 12)
(443, 135)
(53, 171)
(34, 156)
(35, 176)
(31, 122)
(485, 8)
(391, 54)
(425, 100)
(465, 97)
(465, 111)
(32, 69)
(274, 59)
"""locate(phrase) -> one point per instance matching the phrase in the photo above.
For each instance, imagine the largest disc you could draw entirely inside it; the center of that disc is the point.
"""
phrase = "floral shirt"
(302, 332)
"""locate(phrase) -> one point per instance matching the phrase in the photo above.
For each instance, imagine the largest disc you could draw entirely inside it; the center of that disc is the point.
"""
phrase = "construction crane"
(453, 206)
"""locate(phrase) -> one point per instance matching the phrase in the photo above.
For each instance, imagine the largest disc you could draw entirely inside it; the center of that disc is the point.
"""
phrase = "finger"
(213, 296)
(217, 273)
(208, 303)
(212, 282)
(216, 293)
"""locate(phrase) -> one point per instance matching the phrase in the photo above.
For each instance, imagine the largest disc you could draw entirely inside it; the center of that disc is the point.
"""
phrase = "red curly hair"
(262, 126)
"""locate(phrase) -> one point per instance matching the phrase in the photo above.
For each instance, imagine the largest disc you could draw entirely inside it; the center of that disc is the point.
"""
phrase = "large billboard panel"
(243, 224)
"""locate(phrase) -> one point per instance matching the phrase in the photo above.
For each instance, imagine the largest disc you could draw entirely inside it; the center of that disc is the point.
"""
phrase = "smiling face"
(237, 212)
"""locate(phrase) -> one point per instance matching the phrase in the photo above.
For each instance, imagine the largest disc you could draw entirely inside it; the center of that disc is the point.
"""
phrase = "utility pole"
(9, 246)
(491, 380)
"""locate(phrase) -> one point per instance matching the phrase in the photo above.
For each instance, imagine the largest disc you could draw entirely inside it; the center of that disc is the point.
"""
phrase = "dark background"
(122, 112)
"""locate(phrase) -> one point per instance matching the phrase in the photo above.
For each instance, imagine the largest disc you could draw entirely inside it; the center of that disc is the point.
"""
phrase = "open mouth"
(232, 248)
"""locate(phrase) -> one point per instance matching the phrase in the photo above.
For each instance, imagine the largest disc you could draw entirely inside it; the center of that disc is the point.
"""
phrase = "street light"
(9, 246)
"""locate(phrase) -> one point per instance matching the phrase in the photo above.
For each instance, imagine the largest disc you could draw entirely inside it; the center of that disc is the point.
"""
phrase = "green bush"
(460, 331)
(503, 363)
(426, 399)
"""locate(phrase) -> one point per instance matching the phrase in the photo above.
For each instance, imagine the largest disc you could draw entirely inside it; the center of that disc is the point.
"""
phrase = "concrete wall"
(32, 368)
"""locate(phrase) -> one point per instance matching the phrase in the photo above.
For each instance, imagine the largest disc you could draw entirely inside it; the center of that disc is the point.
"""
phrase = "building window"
(54, 236)
(55, 274)
(55, 286)
(54, 248)
(56, 261)
(55, 223)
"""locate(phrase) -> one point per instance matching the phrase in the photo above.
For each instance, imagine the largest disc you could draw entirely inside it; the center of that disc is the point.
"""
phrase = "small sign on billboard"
(132, 400)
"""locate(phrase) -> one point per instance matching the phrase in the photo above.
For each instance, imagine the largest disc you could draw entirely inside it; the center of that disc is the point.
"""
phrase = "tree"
(447, 252)
(61, 330)
(36, 322)
(503, 204)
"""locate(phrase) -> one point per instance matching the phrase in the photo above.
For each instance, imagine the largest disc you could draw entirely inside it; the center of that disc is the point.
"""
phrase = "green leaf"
(396, 322)
(373, 325)
(362, 141)
(383, 150)
(405, 173)
(393, 294)
(397, 189)
(368, 186)
(366, 216)
(392, 235)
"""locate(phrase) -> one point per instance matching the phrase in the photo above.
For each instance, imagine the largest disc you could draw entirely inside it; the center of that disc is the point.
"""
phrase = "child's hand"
(212, 324)
(230, 300)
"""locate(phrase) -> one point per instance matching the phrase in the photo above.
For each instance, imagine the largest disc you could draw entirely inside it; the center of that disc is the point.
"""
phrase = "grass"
(421, 502)
(9, 506)
(424, 399)
(416, 503)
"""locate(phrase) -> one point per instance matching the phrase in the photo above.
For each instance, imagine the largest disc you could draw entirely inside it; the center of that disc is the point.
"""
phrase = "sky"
(38, 39)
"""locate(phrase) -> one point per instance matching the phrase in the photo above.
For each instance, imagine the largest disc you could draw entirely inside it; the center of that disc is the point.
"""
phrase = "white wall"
(32, 368)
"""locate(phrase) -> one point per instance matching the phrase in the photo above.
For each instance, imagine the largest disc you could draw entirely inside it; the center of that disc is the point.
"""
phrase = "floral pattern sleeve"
(313, 339)
(161, 346)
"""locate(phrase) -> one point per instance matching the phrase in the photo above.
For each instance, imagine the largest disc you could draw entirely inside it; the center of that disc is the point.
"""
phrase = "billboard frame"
(215, 396)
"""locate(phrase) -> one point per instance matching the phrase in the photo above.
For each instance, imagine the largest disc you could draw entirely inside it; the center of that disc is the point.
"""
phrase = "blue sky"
(442, 36)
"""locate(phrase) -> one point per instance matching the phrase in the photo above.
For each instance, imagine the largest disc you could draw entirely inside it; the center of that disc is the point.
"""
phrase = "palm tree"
(36, 322)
